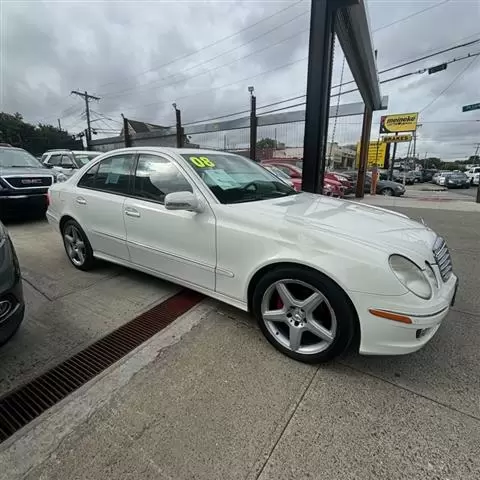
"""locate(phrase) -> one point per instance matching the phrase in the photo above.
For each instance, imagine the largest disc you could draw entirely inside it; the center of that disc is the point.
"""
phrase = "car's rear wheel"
(77, 246)
(388, 192)
(304, 314)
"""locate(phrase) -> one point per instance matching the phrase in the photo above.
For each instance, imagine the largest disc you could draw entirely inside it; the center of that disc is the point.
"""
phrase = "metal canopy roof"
(353, 31)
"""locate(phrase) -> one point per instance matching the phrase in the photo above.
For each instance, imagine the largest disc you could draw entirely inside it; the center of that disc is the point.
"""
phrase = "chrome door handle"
(131, 212)
(81, 201)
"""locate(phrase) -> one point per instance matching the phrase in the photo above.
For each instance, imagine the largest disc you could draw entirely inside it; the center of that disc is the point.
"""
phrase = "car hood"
(26, 171)
(371, 226)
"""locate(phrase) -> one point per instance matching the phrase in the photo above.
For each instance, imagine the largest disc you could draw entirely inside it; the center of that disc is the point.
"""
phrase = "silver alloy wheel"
(388, 192)
(75, 245)
(299, 316)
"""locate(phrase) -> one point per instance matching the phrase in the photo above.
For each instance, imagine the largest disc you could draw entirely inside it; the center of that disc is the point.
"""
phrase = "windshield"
(12, 158)
(236, 179)
(84, 158)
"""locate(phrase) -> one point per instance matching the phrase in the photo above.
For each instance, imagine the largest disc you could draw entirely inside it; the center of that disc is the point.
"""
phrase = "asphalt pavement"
(209, 398)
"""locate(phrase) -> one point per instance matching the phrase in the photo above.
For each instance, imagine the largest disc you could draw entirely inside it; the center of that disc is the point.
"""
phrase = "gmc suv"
(24, 182)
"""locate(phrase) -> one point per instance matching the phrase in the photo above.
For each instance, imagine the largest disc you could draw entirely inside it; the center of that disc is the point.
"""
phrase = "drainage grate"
(26, 403)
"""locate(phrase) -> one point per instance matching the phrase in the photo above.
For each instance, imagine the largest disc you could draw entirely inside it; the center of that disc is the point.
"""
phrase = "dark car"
(428, 174)
(24, 182)
(457, 180)
(384, 187)
(12, 305)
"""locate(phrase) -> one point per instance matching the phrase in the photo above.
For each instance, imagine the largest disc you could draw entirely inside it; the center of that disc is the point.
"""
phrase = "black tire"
(346, 318)
(89, 260)
(388, 192)
(10, 327)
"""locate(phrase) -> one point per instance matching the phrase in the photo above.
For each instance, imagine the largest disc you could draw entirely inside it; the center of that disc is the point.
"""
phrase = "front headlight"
(411, 276)
(61, 178)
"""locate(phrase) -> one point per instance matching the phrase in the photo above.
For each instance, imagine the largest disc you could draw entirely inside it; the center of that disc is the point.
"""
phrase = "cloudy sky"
(141, 56)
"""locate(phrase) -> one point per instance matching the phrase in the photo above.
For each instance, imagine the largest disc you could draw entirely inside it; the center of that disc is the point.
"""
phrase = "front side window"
(236, 179)
(111, 174)
(156, 177)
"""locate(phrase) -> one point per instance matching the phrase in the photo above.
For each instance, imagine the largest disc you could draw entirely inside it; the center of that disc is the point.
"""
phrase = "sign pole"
(390, 170)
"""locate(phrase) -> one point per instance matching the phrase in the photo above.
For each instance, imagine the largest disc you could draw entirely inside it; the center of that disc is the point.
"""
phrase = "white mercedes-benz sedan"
(319, 274)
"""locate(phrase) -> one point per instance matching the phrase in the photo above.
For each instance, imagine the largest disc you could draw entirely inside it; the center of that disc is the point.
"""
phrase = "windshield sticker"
(221, 179)
(202, 162)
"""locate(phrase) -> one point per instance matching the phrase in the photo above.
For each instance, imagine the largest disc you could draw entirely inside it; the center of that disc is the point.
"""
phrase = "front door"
(98, 204)
(178, 244)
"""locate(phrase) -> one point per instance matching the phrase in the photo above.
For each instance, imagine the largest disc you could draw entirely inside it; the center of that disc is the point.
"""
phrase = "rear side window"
(156, 177)
(111, 174)
(54, 160)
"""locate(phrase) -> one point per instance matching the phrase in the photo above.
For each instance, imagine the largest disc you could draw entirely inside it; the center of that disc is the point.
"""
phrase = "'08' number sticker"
(202, 162)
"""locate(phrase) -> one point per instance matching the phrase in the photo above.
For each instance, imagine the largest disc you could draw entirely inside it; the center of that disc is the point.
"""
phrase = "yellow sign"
(202, 162)
(397, 138)
(403, 122)
(376, 154)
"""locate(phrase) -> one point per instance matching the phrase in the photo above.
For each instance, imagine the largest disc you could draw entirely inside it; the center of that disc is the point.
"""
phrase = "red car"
(331, 186)
(345, 180)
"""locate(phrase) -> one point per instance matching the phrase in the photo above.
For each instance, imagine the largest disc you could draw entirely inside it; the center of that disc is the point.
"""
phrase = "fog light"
(422, 332)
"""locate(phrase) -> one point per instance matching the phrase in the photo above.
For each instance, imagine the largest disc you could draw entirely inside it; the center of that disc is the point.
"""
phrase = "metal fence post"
(253, 126)
(126, 133)
(178, 118)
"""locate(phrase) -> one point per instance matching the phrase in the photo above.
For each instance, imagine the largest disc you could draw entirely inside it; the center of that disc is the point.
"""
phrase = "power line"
(280, 67)
(391, 79)
(459, 75)
(120, 92)
(410, 16)
(216, 118)
(216, 42)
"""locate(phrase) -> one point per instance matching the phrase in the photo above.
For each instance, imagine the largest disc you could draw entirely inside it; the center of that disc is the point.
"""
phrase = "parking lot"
(67, 309)
(222, 403)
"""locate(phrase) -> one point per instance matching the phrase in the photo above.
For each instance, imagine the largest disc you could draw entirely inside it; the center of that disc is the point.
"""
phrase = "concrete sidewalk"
(209, 398)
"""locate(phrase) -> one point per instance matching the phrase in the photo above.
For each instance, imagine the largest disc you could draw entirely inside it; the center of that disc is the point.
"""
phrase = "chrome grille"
(442, 258)
(28, 181)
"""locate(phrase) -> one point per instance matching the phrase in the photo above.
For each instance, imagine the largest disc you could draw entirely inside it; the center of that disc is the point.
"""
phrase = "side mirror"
(182, 201)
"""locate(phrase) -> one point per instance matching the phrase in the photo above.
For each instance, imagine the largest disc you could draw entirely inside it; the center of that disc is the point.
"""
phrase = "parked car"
(409, 177)
(384, 187)
(441, 177)
(473, 175)
(231, 230)
(457, 180)
(12, 305)
(297, 184)
(24, 182)
(331, 186)
(428, 174)
(418, 176)
(67, 161)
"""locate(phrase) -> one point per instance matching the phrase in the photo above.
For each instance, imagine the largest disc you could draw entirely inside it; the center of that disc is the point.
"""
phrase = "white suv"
(474, 175)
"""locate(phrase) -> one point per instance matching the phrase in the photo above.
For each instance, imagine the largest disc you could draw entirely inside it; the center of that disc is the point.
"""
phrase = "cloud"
(139, 57)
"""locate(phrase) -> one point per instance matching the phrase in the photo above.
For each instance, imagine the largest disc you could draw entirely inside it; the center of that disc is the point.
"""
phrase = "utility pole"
(126, 133)
(253, 125)
(59, 124)
(87, 98)
(178, 122)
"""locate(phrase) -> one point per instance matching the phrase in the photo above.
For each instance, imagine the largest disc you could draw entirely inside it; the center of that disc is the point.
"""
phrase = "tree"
(473, 159)
(267, 143)
(35, 139)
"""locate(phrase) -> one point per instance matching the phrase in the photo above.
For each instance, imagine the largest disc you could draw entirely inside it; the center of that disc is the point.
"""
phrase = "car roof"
(60, 150)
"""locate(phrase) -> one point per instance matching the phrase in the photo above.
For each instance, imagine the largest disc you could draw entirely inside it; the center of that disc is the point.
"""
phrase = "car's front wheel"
(77, 246)
(304, 314)
(387, 192)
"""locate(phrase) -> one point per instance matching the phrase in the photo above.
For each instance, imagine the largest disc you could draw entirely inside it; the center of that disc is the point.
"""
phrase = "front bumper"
(10, 204)
(380, 336)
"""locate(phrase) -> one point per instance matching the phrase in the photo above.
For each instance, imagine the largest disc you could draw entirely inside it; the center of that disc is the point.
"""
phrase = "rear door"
(98, 202)
(176, 243)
